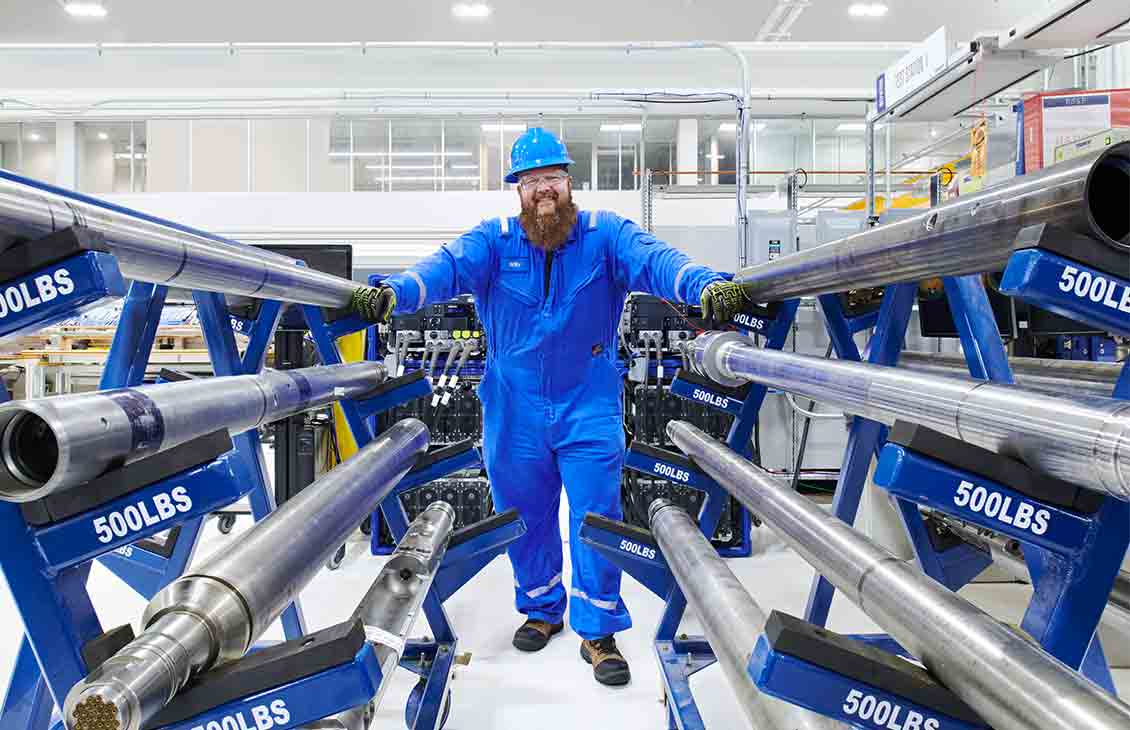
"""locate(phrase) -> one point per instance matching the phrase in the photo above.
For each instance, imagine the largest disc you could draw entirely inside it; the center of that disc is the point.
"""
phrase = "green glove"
(722, 300)
(373, 303)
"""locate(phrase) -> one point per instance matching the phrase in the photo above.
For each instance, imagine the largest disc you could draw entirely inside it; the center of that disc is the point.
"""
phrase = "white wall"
(167, 166)
(39, 160)
(278, 155)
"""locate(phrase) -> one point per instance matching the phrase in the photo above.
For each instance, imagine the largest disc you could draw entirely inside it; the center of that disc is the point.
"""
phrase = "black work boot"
(608, 665)
(534, 634)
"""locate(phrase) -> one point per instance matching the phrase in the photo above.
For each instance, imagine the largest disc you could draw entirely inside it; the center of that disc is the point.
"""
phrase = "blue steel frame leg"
(676, 664)
(865, 436)
(435, 690)
(215, 322)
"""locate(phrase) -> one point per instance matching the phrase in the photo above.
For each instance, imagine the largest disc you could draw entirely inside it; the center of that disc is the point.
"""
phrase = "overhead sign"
(902, 79)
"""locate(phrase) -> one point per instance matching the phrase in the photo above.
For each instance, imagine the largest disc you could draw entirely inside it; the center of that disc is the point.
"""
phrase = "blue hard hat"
(537, 147)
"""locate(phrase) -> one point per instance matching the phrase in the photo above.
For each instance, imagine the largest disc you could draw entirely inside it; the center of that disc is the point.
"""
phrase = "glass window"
(716, 152)
(278, 155)
(112, 157)
(416, 160)
(464, 152)
(367, 146)
(330, 164)
(10, 147)
(37, 142)
(779, 146)
(660, 149)
(220, 155)
(580, 136)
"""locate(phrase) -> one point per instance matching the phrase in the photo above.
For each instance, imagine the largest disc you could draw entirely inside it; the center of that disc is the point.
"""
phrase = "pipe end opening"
(30, 454)
(1108, 196)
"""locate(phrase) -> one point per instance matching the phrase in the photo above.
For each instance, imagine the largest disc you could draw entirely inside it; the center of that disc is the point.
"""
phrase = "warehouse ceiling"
(512, 20)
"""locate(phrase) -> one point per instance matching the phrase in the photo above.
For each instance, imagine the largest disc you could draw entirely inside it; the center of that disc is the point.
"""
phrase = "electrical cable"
(441, 388)
(463, 355)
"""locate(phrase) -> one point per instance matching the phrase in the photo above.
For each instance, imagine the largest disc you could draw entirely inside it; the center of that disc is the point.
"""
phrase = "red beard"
(549, 231)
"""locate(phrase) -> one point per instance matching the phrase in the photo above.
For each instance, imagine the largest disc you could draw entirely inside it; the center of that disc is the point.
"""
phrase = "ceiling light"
(85, 8)
(464, 167)
(103, 136)
(471, 11)
(35, 136)
(127, 155)
(867, 10)
(733, 126)
(621, 127)
(852, 127)
(933, 133)
(504, 127)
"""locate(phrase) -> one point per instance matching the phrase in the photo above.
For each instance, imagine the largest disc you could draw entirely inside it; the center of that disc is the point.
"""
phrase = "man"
(549, 286)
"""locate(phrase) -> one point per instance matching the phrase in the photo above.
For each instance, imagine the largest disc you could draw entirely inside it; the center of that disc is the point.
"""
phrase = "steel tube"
(51, 444)
(731, 619)
(214, 614)
(392, 603)
(163, 252)
(1006, 678)
(1085, 441)
(972, 234)
(1062, 377)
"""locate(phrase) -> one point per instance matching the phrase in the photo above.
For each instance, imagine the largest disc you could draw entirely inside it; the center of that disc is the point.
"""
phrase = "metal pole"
(971, 234)
(1082, 441)
(214, 614)
(1057, 377)
(731, 618)
(869, 143)
(1007, 679)
(163, 252)
(51, 444)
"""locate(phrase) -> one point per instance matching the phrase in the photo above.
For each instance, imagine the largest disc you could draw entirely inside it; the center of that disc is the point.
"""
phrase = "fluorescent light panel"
(621, 127)
(733, 126)
(471, 11)
(504, 127)
(85, 9)
(454, 153)
(867, 10)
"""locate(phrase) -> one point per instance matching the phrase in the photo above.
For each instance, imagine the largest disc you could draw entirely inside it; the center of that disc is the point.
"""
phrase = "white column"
(686, 151)
(66, 155)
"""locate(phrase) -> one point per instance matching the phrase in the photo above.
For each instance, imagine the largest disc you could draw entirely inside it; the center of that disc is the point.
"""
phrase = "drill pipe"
(730, 617)
(972, 234)
(1061, 377)
(163, 252)
(214, 614)
(1009, 680)
(1085, 441)
(51, 444)
(392, 603)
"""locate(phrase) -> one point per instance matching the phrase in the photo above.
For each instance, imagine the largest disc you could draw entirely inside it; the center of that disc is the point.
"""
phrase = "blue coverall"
(552, 394)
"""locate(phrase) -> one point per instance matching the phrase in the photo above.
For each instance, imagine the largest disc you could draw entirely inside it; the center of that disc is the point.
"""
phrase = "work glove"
(373, 303)
(721, 300)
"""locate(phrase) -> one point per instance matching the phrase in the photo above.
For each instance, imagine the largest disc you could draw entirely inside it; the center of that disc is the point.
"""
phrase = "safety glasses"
(553, 180)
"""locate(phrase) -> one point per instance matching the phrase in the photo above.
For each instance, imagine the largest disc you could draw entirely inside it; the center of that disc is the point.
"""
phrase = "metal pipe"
(392, 603)
(163, 252)
(972, 234)
(1085, 441)
(1061, 377)
(1009, 680)
(214, 614)
(52, 444)
(731, 619)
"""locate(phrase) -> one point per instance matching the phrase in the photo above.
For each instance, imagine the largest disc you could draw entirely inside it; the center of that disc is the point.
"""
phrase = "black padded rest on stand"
(991, 465)
(623, 529)
(25, 257)
(671, 457)
(263, 670)
(469, 532)
(689, 376)
(392, 384)
(1071, 245)
(864, 663)
(96, 651)
(434, 457)
(129, 478)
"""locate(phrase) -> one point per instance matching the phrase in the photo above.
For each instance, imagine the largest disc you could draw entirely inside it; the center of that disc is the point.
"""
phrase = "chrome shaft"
(163, 252)
(973, 234)
(731, 619)
(1059, 377)
(1009, 680)
(392, 603)
(215, 613)
(1085, 441)
(51, 444)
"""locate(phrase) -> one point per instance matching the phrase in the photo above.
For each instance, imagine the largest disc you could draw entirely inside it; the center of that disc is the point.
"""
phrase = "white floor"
(503, 688)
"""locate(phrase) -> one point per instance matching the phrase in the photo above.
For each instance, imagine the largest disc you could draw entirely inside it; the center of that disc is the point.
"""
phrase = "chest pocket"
(516, 277)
